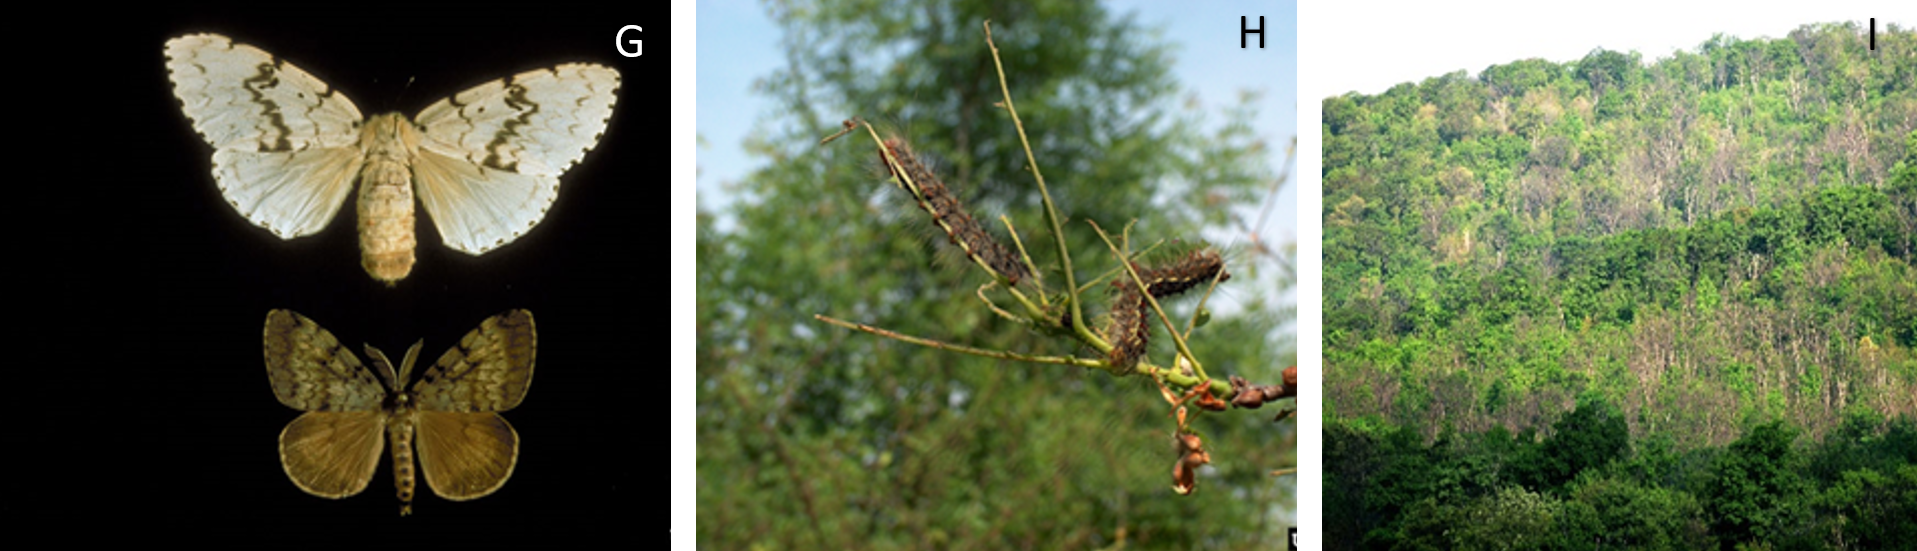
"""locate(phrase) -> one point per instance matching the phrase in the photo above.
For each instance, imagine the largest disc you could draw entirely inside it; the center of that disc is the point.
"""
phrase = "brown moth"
(466, 450)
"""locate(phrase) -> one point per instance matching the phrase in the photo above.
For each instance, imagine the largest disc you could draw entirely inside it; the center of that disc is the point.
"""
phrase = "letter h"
(1242, 31)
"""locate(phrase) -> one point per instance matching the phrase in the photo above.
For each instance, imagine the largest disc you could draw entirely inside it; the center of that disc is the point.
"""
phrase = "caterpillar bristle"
(948, 213)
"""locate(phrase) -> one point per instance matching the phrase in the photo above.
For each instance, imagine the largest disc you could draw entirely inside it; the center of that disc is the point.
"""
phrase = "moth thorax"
(386, 238)
(400, 428)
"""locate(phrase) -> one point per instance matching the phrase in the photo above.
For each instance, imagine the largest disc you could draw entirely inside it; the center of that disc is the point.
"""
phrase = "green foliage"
(1755, 495)
(1617, 512)
(1867, 509)
(1388, 488)
(1590, 436)
(814, 437)
(1511, 518)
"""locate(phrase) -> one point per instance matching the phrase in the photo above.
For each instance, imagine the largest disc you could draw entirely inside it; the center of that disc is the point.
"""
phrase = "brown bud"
(1191, 454)
(1183, 480)
(1244, 395)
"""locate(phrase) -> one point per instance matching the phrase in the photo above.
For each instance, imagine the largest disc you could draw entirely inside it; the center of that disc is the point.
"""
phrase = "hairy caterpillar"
(1130, 329)
(1191, 270)
(947, 213)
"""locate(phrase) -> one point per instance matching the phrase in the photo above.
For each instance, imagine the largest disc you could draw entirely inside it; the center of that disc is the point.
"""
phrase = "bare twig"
(994, 306)
(1271, 197)
(1051, 211)
(1060, 360)
(849, 124)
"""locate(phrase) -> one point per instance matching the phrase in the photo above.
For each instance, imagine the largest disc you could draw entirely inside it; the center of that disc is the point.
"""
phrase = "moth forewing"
(232, 90)
(311, 371)
(285, 144)
(490, 370)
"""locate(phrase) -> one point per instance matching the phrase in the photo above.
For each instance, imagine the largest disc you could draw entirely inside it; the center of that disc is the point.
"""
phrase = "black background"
(141, 295)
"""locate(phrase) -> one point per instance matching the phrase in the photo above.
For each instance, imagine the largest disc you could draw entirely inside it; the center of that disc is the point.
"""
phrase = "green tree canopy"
(1756, 495)
(1589, 437)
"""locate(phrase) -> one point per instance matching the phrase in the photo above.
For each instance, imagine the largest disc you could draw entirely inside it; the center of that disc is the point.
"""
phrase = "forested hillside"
(1713, 240)
(1620, 303)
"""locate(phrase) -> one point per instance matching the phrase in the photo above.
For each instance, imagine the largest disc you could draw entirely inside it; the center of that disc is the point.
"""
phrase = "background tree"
(1589, 437)
(812, 436)
(1756, 496)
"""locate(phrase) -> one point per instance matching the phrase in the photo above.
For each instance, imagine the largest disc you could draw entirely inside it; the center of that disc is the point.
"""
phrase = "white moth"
(287, 149)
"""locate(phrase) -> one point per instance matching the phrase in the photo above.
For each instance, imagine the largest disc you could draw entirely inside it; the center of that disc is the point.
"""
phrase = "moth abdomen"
(400, 428)
(386, 218)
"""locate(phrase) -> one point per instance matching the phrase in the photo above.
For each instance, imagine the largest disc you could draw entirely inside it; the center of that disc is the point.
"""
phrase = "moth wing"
(291, 193)
(466, 455)
(476, 208)
(333, 454)
(489, 370)
(490, 157)
(311, 371)
(285, 144)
